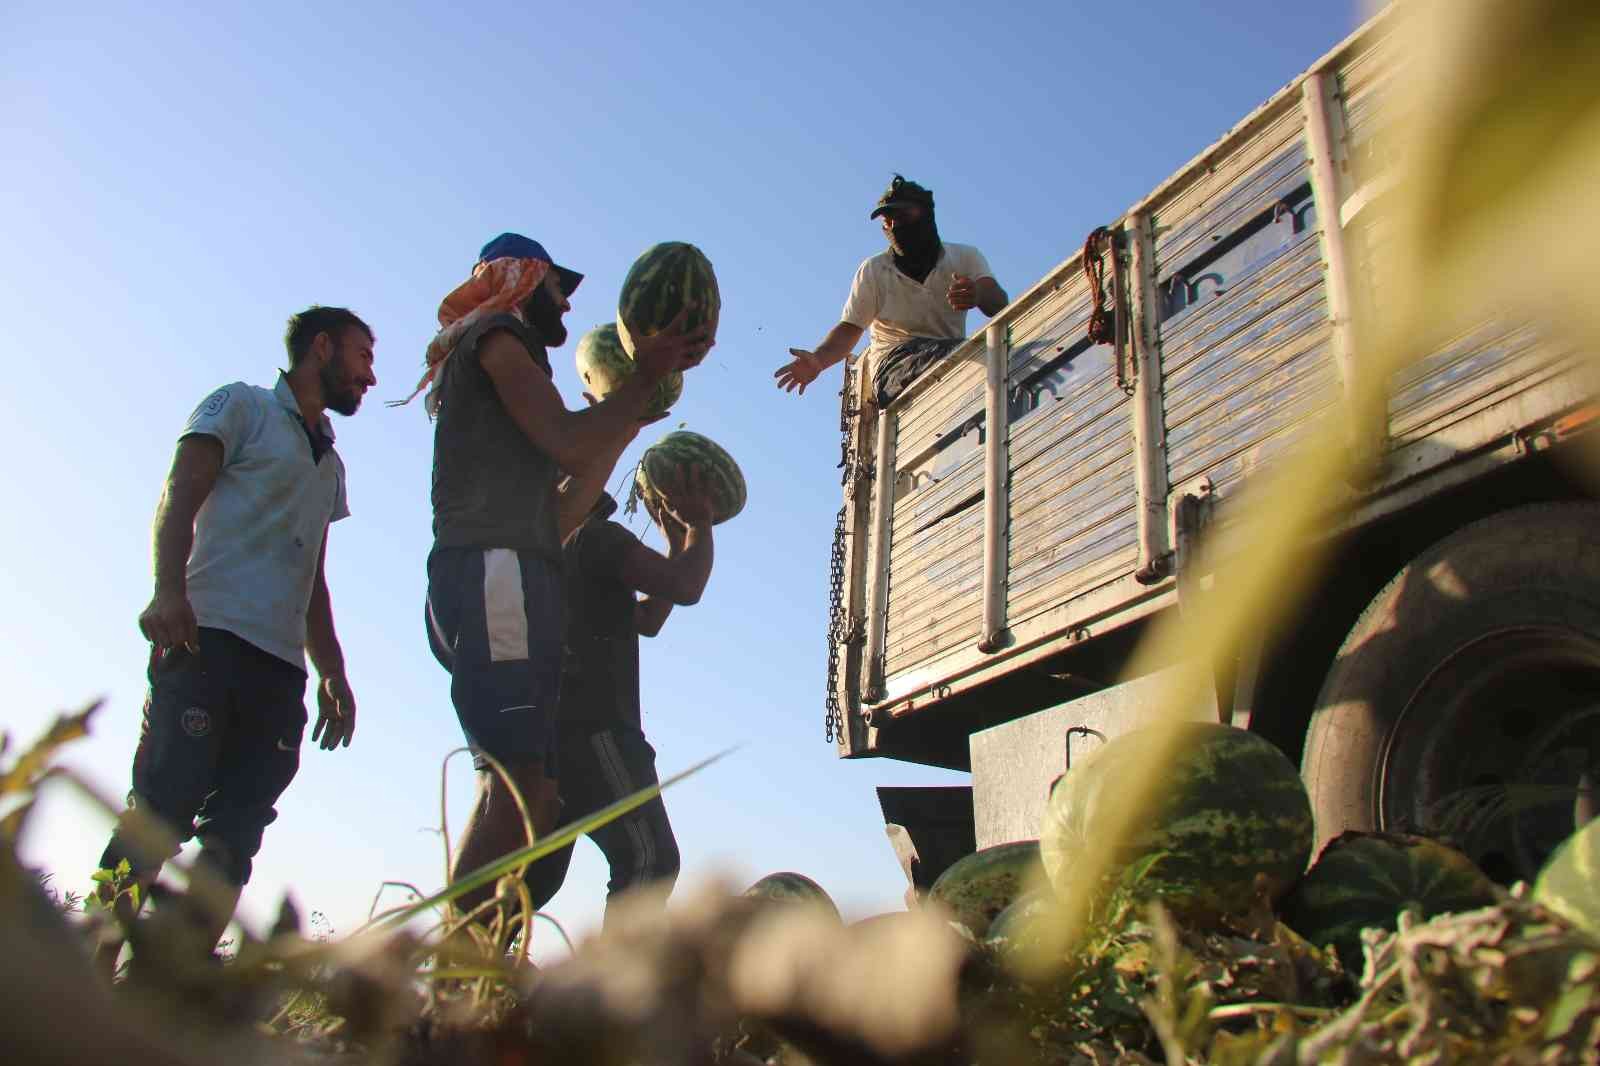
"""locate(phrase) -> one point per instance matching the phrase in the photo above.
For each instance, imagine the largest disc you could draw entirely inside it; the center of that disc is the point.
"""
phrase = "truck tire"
(1465, 703)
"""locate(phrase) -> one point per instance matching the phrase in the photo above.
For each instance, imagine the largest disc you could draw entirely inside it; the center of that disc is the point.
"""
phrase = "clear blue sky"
(182, 179)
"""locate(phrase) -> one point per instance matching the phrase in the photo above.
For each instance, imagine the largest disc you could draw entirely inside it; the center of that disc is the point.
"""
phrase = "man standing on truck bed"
(494, 612)
(604, 756)
(241, 536)
(914, 297)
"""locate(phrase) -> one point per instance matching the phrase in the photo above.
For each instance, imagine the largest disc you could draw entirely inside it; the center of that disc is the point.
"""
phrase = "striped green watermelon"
(1231, 821)
(667, 279)
(661, 471)
(604, 365)
(790, 887)
(978, 887)
(1016, 928)
(1364, 880)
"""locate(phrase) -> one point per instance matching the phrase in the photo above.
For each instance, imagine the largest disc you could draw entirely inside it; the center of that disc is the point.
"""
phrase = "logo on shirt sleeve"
(214, 403)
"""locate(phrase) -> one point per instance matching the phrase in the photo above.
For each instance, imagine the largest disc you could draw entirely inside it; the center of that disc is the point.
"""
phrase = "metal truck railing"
(1039, 488)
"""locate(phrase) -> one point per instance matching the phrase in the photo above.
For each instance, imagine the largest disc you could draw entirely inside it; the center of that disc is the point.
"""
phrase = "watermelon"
(980, 886)
(1231, 823)
(604, 365)
(667, 279)
(790, 887)
(1364, 880)
(1569, 884)
(1016, 928)
(661, 472)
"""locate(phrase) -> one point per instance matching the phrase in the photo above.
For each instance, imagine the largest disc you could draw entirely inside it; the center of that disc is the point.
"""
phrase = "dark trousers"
(219, 743)
(599, 767)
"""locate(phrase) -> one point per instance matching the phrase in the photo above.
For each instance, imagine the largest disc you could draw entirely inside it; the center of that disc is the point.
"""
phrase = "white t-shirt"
(258, 535)
(897, 308)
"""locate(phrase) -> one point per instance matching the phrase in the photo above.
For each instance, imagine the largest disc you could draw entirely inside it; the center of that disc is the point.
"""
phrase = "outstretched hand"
(799, 373)
(674, 348)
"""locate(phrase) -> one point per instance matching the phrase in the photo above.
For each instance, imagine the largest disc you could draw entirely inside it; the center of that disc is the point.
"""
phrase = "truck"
(1020, 515)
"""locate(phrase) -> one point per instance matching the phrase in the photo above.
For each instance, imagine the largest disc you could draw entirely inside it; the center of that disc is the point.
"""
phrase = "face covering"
(916, 247)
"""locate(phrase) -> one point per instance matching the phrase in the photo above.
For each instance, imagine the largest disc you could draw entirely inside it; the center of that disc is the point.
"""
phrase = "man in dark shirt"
(604, 755)
(502, 438)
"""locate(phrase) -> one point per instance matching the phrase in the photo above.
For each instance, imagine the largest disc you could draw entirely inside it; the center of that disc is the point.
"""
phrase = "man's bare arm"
(577, 440)
(576, 496)
(991, 297)
(650, 614)
(168, 621)
(322, 642)
(679, 577)
(336, 704)
(807, 366)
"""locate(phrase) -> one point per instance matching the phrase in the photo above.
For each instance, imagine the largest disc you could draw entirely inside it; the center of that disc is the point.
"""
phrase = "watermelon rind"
(668, 278)
(979, 887)
(1569, 884)
(1363, 880)
(661, 469)
(786, 886)
(603, 365)
(1229, 830)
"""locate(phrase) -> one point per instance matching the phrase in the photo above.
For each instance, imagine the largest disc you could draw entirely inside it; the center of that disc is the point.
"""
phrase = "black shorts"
(494, 620)
(219, 743)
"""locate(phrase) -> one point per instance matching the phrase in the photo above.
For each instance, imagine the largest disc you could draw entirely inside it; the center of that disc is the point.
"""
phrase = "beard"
(544, 316)
(339, 393)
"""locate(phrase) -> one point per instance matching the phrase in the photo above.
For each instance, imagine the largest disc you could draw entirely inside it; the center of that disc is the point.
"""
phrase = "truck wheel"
(1465, 703)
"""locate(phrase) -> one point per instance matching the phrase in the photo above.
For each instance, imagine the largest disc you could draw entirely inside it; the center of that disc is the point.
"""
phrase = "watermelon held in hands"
(604, 365)
(668, 279)
(790, 887)
(1228, 829)
(664, 463)
(1364, 880)
(978, 887)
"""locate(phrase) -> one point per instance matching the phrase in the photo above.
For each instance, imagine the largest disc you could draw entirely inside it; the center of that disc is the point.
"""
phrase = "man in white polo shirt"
(914, 297)
(240, 598)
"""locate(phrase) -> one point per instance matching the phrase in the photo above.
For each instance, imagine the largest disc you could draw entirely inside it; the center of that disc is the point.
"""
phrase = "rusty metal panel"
(1242, 175)
(1471, 373)
(954, 398)
(1365, 77)
(1475, 370)
(1073, 521)
(1072, 503)
(935, 590)
(1246, 351)
(936, 543)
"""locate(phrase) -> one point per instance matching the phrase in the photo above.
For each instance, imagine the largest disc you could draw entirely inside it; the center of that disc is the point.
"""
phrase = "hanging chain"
(833, 716)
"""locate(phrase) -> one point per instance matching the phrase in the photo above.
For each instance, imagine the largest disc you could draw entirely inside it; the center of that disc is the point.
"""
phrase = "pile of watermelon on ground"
(1211, 941)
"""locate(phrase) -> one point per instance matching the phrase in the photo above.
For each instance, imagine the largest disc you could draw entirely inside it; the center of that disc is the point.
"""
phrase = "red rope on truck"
(1101, 328)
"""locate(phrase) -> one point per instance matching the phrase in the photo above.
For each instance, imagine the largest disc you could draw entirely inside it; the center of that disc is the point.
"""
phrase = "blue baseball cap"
(516, 246)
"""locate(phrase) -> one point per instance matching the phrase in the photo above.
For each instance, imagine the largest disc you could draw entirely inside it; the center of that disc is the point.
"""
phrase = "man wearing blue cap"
(502, 441)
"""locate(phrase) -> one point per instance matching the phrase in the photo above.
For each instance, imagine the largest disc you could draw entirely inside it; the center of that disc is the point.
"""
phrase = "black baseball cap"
(903, 193)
